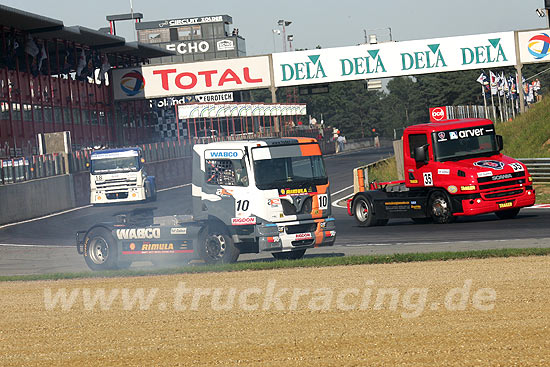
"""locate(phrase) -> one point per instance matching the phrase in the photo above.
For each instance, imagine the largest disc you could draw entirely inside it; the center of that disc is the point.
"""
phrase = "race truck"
(118, 175)
(269, 195)
(452, 168)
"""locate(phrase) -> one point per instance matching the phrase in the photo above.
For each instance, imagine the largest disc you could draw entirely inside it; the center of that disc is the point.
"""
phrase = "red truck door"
(417, 174)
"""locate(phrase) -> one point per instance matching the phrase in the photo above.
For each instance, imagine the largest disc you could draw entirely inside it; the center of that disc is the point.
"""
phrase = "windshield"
(464, 143)
(290, 172)
(119, 164)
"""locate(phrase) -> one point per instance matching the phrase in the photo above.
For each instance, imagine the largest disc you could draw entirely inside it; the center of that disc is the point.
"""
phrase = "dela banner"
(394, 59)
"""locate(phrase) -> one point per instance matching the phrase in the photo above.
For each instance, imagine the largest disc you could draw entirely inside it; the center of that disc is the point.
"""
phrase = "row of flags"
(499, 84)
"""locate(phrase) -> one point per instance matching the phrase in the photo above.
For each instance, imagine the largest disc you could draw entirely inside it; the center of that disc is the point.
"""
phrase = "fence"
(539, 168)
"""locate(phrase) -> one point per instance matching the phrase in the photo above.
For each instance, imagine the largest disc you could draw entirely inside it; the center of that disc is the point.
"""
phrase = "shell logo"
(132, 246)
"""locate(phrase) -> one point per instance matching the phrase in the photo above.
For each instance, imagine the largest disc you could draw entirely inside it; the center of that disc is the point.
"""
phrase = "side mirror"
(500, 143)
(420, 154)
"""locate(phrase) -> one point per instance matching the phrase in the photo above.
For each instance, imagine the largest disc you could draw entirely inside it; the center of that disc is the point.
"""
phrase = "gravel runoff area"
(491, 312)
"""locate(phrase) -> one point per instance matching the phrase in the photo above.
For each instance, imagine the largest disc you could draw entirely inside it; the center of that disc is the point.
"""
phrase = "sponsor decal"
(302, 191)
(132, 83)
(484, 174)
(132, 246)
(147, 246)
(398, 203)
(364, 65)
(225, 45)
(230, 154)
(243, 221)
(224, 193)
(517, 167)
(178, 230)
(452, 189)
(444, 171)
(413, 181)
(453, 135)
(423, 59)
(463, 134)
(308, 69)
(438, 114)
(188, 21)
(137, 233)
(484, 54)
(304, 236)
(468, 188)
(189, 47)
(215, 97)
(123, 154)
(441, 136)
(501, 177)
(496, 165)
(508, 204)
(416, 207)
(539, 45)
(274, 203)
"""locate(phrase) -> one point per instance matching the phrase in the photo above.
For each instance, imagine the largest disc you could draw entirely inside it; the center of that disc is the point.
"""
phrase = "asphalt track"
(47, 245)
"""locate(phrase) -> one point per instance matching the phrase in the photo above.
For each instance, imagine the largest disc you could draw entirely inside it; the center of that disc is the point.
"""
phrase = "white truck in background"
(118, 175)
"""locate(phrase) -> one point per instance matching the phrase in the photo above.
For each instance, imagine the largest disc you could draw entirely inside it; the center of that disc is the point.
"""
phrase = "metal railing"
(539, 168)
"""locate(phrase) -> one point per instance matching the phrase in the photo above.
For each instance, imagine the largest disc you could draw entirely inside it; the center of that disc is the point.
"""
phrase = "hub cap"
(99, 251)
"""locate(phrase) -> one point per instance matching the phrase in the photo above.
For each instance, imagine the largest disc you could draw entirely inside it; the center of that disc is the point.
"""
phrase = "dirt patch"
(508, 327)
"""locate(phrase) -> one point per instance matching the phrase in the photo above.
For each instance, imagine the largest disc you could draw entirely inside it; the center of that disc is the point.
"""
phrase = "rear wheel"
(217, 247)
(507, 214)
(439, 207)
(101, 252)
(290, 255)
(362, 211)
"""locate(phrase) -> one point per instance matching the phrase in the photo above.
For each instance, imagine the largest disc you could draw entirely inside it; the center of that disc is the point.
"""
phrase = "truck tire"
(440, 209)
(150, 191)
(362, 211)
(289, 255)
(507, 214)
(101, 252)
(216, 247)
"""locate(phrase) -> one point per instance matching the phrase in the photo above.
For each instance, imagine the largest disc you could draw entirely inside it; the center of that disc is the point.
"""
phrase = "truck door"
(418, 174)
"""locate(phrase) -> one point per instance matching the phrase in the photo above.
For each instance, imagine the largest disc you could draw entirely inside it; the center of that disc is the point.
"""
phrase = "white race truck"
(269, 195)
(118, 175)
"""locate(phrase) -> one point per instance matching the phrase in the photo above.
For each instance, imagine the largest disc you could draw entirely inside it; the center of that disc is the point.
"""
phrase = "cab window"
(226, 172)
(416, 140)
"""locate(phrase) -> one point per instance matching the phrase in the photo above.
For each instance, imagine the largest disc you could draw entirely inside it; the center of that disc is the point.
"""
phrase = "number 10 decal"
(242, 205)
(323, 201)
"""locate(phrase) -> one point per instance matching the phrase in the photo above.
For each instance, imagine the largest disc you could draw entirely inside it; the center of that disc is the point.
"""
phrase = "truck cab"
(118, 176)
(266, 195)
(453, 168)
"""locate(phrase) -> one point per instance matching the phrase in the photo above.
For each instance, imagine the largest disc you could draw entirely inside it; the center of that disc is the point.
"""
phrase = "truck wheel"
(440, 208)
(507, 214)
(362, 211)
(289, 255)
(154, 193)
(101, 250)
(217, 247)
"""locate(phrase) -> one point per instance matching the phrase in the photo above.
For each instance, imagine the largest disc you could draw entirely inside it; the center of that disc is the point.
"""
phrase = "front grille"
(290, 209)
(119, 183)
(117, 195)
(303, 242)
(502, 184)
(301, 228)
(503, 194)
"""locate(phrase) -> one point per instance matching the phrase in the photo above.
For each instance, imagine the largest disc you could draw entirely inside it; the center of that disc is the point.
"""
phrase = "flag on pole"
(81, 63)
(30, 47)
(494, 86)
(482, 79)
(43, 56)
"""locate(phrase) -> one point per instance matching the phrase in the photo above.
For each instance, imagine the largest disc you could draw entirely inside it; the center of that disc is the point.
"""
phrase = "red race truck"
(452, 168)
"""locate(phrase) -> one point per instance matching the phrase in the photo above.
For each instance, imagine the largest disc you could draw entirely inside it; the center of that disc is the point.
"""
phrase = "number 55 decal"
(428, 180)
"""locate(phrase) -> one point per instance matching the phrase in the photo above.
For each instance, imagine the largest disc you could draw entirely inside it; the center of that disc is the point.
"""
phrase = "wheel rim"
(362, 210)
(216, 246)
(440, 207)
(99, 251)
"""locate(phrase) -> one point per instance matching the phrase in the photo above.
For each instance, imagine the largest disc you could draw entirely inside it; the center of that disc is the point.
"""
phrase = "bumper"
(119, 196)
(481, 206)
(288, 236)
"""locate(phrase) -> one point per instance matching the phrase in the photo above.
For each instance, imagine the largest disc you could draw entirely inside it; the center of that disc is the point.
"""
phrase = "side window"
(416, 140)
(226, 172)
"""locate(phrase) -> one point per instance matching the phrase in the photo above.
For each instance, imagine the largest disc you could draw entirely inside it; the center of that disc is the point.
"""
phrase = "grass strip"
(307, 262)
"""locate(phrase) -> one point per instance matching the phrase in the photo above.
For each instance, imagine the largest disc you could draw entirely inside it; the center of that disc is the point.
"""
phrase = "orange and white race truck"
(268, 195)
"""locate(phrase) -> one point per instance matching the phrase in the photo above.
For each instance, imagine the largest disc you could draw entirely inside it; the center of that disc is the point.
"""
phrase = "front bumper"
(118, 196)
(290, 236)
(480, 206)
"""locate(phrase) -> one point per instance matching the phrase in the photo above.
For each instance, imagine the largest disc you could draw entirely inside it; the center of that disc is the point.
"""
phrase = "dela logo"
(484, 54)
(429, 59)
(363, 65)
(132, 83)
(312, 69)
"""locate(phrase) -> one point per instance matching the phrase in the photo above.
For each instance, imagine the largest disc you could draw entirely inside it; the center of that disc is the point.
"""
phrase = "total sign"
(191, 78)
(438, 114)
(534, 46)
(394, 59)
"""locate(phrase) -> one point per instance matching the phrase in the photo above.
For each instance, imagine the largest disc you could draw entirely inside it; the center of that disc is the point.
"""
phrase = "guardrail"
(539, 168)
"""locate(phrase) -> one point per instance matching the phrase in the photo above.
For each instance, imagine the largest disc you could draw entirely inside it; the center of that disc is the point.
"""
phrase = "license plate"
(508, 204)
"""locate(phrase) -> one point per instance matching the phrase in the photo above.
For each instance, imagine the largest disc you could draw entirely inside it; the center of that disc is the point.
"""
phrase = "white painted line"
(335, 202)
(344, 189)
(24, 245)
(44, 217)
(174, 187)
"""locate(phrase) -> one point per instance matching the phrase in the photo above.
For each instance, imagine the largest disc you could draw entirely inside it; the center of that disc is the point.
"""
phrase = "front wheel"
(217, 247)
(507, 214)
(362, 211)
(289, 255)
(439, 207)
(101, 250)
